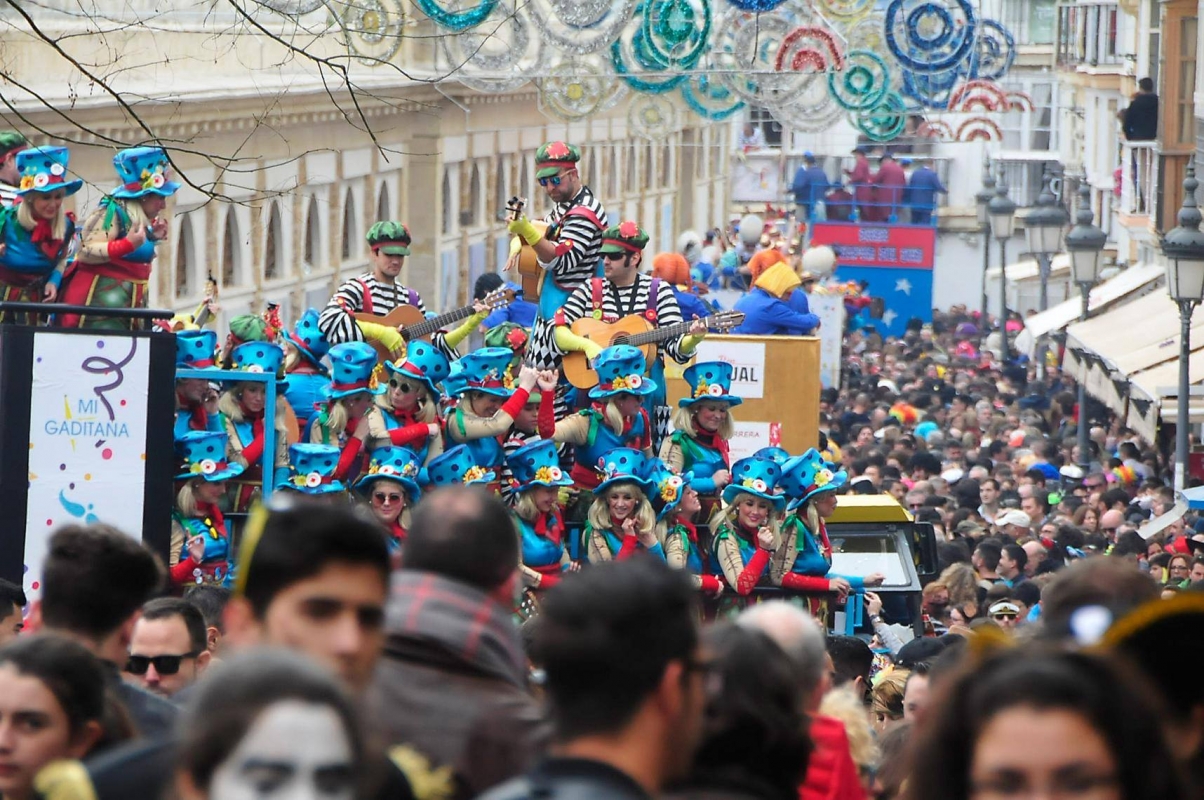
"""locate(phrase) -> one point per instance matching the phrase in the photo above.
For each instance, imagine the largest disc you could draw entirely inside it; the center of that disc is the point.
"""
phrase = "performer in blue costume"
(458, 466)
(200, 535)
(704, 425)
(676, 503)
(305, 376)
(746, 531)
(410, 404)
(311, 471)
(390, 485)
(538, 479)
(196, 400)
(621, 519)
(243, 406)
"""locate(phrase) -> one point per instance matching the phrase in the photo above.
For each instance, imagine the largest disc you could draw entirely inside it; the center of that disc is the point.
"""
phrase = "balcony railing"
(1087, 35)
(1139, 175)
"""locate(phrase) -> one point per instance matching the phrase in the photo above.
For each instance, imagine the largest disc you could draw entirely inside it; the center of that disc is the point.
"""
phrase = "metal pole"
(1084, 457)
(1181, 418)
(986, 263)
(1044, 262)
(1003, 300)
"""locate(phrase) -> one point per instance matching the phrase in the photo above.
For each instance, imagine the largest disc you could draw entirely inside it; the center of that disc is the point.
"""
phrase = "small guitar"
(197, 319)
(528, 264)
(412, 324)
(636, 331)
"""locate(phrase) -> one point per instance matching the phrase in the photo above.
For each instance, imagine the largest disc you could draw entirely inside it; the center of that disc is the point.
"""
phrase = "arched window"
(231, 252)
(184, 257)
(446, 226)
(349, 226)
(383, 209)
(474, 196)
(629, 179)
(271, 244)
(313, 236)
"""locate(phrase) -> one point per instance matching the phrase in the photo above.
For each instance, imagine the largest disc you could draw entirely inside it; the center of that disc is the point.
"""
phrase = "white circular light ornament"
(580, 27)
(575, 88)
(500, 55)
(652, 117)
(819, 261)
(372, 29)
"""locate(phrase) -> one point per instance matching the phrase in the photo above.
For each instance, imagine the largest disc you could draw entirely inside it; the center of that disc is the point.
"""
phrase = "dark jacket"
(451, 689)
(720, 787)
(570, 779)
(153, 716)
(1141, 118)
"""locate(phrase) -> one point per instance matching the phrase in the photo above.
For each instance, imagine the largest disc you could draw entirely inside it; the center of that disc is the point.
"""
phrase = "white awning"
(1030, 270)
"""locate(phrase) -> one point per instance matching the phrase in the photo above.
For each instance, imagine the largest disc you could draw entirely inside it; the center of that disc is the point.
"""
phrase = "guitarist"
(378, 292)
(625, 291)
(568, 250)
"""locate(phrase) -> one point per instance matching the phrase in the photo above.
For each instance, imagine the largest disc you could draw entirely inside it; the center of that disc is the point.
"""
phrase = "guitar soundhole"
(619, 339)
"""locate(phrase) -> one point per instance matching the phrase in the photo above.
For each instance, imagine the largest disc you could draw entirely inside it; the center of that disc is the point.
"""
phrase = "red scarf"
(557, 526)
(715, 442)
(199, 419)
(42, 236)
(404, 418)
(248, 416)
(399, 533)
(628, 422)
(691, 530)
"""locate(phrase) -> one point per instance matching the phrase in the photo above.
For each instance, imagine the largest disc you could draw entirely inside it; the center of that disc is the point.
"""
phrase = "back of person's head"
(605, 639)
(755, 731)
(211, 601)
(1146, 84)
(1111, 583)
(1027, 592)
(94, 579)
(797, 633)
(190, 615)
(1016, 553)
(301, 540)
(463, 533)
(69, 671)
(485, 284)
(989, 552)
(852, 659)
(229, 702)
(11, 594)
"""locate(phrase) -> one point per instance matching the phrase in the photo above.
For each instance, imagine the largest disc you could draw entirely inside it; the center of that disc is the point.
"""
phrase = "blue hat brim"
(308, 356)
(425, 381)
(838, 481)
(500, 391)
(686, 479)
(166, 190)
(324, 488)
(730, 399)
(331, 394)
(231, 471)
(731, 490)
(409, 484)
(565, 481)
(644, 485)
(647, 387)
(70, 187)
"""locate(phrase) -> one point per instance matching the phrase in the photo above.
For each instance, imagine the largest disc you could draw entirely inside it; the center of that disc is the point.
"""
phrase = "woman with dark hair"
(1027, 721)
(267, 724)
(52, 707)
(754, 743)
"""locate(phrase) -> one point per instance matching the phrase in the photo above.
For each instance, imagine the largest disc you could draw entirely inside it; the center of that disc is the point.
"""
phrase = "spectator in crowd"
(169, 646)
(923, 185)
(12, 605)
(809, 186)
(211, 601)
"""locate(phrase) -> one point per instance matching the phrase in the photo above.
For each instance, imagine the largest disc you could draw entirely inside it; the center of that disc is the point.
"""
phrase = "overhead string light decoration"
(372, 29)
(863, 82)
(576, 88)
(456, 20)
(844, 12)
(500, 55)
(884, 122)
(581, 27)
(652, 117)
(929, 36)
(746, 47)
(678, 32)
(708, 95)
(994, 53)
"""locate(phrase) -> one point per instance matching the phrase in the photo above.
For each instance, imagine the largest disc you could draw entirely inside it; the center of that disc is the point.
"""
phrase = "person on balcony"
(1140, 120)
(810, 185)
(859, 179)
(922, 189)
(891, 181)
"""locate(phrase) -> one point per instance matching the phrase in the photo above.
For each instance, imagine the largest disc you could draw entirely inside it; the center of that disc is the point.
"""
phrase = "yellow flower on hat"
(619, 383)
(474, 474)
(823, 477)
(27, 182)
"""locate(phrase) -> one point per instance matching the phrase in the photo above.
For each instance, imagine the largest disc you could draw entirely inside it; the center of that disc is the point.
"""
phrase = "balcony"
(1087, 35)
(1139, 181)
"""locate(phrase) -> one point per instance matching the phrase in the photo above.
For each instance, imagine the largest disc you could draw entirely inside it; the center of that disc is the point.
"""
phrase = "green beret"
(555, 156)
(626, 237)
(391, 237)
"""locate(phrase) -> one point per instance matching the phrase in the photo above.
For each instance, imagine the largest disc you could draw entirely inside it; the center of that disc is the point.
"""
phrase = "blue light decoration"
(456, 20)
(883, 122)
(677, 32)
(927, 36)
(932, 89)
(756, 6)
(862, 83)
(630, 55)
(994, 53)
(710, 98)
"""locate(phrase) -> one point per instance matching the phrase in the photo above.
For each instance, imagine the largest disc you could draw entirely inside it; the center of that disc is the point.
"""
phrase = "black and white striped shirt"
(624, 301)
(578, 237)
(8, 195)
(337, 321)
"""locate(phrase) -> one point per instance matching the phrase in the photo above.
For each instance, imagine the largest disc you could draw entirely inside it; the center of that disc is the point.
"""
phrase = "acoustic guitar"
(636, 331)
(412, 324)
(529, 271)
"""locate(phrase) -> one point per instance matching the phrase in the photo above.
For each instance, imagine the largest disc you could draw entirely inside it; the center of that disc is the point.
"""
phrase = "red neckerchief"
(399, 533)
(214, 514)
(715, 442)
(199, 421)
(745, 533)
(404, 417)
(557, 526)
(352, 424)
(43, 237)
(617, 527)
(691, 530)
(823, 538)
(249, 416)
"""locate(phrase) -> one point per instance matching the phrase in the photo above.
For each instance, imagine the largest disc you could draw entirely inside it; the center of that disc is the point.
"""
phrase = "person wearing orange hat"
(766, 310)
(675, 270)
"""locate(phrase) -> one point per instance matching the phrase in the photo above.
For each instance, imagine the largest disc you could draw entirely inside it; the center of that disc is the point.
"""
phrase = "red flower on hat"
(629, 230)
(558, 150)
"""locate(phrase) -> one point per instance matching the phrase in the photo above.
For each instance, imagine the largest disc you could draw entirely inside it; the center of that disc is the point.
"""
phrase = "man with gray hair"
(831, 772)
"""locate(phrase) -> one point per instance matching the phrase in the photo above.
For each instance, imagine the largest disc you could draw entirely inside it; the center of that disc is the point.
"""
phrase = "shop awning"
(1153, 393)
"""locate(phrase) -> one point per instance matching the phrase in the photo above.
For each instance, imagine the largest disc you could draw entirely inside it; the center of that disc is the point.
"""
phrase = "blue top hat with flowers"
(537, 464)
(397, 464)
(423, 362)
(621, 370)
(486, 370)
(142, 171)
(710, 381)
(264, 357)
(203, 454)
(456, 467)
(311, 469)
(755, 476)
(196, 349)
(44, 169)
(309, 340)
(777, 455)
(808, 475)
(666, 485)
(623, 465)
(351, 367)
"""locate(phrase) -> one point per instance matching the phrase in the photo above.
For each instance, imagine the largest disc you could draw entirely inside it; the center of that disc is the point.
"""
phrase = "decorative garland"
(677, 31)
(710, 98)
(978, 95)
(809, 49)
(979, 129)
(994, 53)
(373, 29)
(884, 122)
(577, 88)
(756, 6)
(652, 117)
(846, 11)
(925, 37)
(581, 27)
(500, 56)
(456, 20)
(862, 83)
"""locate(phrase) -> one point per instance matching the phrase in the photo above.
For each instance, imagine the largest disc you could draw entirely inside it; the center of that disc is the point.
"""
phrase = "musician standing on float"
(378, 292)
(567, 251)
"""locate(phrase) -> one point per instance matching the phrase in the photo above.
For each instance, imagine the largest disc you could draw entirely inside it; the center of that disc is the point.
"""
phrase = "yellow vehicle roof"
(869, 508)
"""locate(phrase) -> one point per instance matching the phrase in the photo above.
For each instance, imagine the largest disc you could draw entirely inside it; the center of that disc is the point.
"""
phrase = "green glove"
(390, 338)
(454, 337)
(522, 227)
(690, 343)
(570, 342)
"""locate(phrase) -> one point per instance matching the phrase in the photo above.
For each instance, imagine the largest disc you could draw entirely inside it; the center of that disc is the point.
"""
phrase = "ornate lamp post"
(1044, 226)
(1002, 212)
(1085, 245)
(981, 200)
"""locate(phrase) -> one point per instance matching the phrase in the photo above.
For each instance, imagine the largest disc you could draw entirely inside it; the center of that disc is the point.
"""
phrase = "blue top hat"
(808, 475)
(143, 170)
(196, 349)
(351, 366)
(755, 476)
(623, 465)
(537, 464)
(308, 338)
(424, 363)
(396, 464)
(710, 381)
(204, 456)
(621, 369)
(265, 357)
(44, 169)
(456, 467)
(486, 370)
(311, 469)
(777, 455)
(667, 485)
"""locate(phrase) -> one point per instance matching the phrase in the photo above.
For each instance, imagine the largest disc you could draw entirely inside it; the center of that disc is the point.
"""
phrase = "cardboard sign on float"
(778, 377)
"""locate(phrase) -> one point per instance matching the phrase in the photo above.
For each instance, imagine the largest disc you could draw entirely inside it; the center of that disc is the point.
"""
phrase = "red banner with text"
(888, 246)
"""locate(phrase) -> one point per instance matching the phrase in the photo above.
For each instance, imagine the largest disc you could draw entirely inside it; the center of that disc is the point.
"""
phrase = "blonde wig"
(726, 515)
(599, 510)
(58, 228)
(683, 420)
(428, 407)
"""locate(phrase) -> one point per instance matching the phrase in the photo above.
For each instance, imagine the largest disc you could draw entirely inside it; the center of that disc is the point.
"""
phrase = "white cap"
(953, 475)
(1013, 516)
(1072, 471)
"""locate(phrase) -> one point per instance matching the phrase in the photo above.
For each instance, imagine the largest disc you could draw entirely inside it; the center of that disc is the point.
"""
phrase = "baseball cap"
(1013, 516)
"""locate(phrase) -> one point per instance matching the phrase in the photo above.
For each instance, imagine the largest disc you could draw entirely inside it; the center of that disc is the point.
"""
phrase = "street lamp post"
(1002, 212)
(1183, 247)
(1044, 226)
(1085, 245)
(981, 200)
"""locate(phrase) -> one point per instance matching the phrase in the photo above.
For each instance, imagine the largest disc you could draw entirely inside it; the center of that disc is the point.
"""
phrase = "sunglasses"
(401, 386)
(614, 256)
(382, 498)
(1003, 616)
(164, 665)
(554, 180)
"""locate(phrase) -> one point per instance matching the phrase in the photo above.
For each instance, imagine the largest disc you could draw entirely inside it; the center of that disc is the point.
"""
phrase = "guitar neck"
(661, 334)
(429, 326)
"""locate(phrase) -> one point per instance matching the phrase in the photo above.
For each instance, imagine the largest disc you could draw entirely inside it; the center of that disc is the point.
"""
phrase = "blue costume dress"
(620, 547)
(31, 259)
(543, 546)
(303, 392)
(701, 457)
(215, 567)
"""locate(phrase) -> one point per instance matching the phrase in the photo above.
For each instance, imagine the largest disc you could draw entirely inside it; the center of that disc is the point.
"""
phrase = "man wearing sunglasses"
(568, 249)
(168, 649)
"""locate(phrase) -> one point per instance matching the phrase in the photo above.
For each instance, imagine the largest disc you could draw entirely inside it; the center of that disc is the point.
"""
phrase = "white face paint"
(293, 751)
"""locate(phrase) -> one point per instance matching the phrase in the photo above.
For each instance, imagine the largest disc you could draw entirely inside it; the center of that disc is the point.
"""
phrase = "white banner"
(830, 310)
(87, 438)
(747, 360)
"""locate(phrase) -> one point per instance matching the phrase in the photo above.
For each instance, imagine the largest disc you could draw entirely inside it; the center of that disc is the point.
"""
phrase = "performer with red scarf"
(200, 535)
(196, 400)
(537, 482)
(703, 424)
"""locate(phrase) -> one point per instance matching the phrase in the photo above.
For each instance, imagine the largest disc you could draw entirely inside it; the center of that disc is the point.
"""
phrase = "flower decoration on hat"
(628, 229)
(44, 169)
(711, 381)
(670, 488)
(548, 474)
(558, 150)
(475, 473)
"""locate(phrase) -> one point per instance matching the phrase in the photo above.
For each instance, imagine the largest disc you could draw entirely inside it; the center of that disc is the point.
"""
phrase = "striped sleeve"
(579, 239)
(336, 321)
(668, 313)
